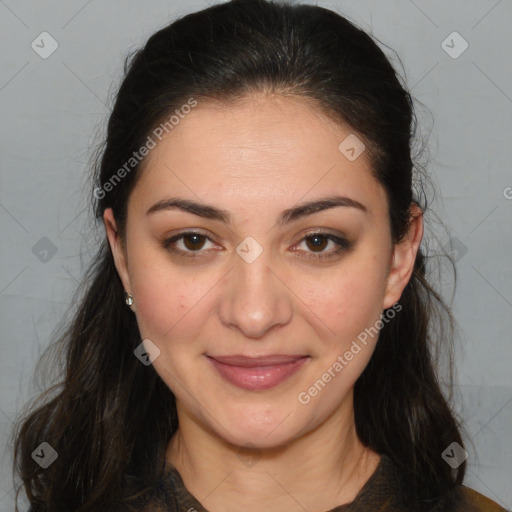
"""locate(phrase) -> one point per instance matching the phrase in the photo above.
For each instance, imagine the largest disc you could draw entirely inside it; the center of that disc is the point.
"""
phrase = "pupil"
(319, 241)
(196, 240)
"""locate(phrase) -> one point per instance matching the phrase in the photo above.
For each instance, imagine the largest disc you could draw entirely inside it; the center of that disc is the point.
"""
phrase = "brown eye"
(193, 241)
(317, 242)
(188, 244)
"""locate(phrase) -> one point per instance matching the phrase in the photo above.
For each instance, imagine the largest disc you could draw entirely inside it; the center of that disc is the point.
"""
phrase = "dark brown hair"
(110, 417)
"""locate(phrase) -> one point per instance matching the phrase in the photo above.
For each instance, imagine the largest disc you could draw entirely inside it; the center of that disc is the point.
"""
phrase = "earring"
(128, 298)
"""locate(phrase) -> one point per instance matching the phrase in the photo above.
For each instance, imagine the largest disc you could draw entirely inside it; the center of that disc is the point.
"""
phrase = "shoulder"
(390, 488)
(476, 502)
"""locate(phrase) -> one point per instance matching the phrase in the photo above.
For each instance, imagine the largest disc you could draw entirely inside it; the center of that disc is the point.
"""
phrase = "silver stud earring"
(128, 297)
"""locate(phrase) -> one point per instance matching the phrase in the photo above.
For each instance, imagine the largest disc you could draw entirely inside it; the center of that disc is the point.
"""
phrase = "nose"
(256, 299)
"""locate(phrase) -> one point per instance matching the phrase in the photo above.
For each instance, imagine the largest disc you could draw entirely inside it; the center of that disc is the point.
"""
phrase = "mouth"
(257, 373)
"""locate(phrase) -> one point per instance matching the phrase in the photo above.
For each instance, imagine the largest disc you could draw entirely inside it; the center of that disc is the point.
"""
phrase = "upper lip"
(251, 362)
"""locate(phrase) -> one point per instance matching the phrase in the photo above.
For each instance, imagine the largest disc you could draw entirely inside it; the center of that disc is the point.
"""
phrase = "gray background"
(52, 109)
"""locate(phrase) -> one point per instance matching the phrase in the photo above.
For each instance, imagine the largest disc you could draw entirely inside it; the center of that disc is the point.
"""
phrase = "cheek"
(171, 314)
(164, 296)
(350, 298)
(350, 304)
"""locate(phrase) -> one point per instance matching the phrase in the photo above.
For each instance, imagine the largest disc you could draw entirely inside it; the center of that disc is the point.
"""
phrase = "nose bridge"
(255, 300)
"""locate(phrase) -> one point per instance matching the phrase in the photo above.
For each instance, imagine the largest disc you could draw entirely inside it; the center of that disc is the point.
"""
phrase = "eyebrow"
(287, 216)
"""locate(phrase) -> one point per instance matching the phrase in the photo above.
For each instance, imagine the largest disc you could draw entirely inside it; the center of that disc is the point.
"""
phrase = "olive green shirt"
(382, 492)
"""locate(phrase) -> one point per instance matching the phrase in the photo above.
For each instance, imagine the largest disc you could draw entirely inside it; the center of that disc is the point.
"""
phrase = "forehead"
(263, 147)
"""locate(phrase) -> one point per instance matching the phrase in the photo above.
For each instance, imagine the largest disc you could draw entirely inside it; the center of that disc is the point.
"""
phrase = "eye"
(317, 243)
(191, 242)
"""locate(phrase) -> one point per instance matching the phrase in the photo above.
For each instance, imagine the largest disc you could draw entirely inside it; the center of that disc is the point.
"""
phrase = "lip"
(257, 373)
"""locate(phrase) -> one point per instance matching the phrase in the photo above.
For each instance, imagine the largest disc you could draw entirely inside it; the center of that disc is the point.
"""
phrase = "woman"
(256, 329)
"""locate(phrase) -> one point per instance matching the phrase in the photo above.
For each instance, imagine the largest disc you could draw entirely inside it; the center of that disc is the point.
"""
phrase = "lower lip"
(258, 378)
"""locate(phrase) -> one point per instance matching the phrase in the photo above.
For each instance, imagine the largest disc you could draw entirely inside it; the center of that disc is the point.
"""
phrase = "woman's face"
(253, 281)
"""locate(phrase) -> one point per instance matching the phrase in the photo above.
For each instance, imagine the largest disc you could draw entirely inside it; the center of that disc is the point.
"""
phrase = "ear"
(404, 256)
(116, 247)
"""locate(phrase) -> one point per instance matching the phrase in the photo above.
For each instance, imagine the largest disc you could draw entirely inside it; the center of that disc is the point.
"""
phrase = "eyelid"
(189, 231)
(322, 231)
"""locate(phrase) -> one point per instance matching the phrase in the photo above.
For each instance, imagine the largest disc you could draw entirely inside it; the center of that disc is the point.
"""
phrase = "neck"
(320, 470)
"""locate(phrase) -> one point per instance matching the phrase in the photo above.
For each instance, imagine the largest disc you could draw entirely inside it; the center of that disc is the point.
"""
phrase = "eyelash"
(343, 245)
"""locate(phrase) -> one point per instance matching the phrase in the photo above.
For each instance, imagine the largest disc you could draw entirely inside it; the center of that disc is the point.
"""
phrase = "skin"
(262, 450)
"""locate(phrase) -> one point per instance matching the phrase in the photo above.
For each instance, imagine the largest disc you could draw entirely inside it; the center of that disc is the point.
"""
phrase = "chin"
(249, 441)
(271, 431)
